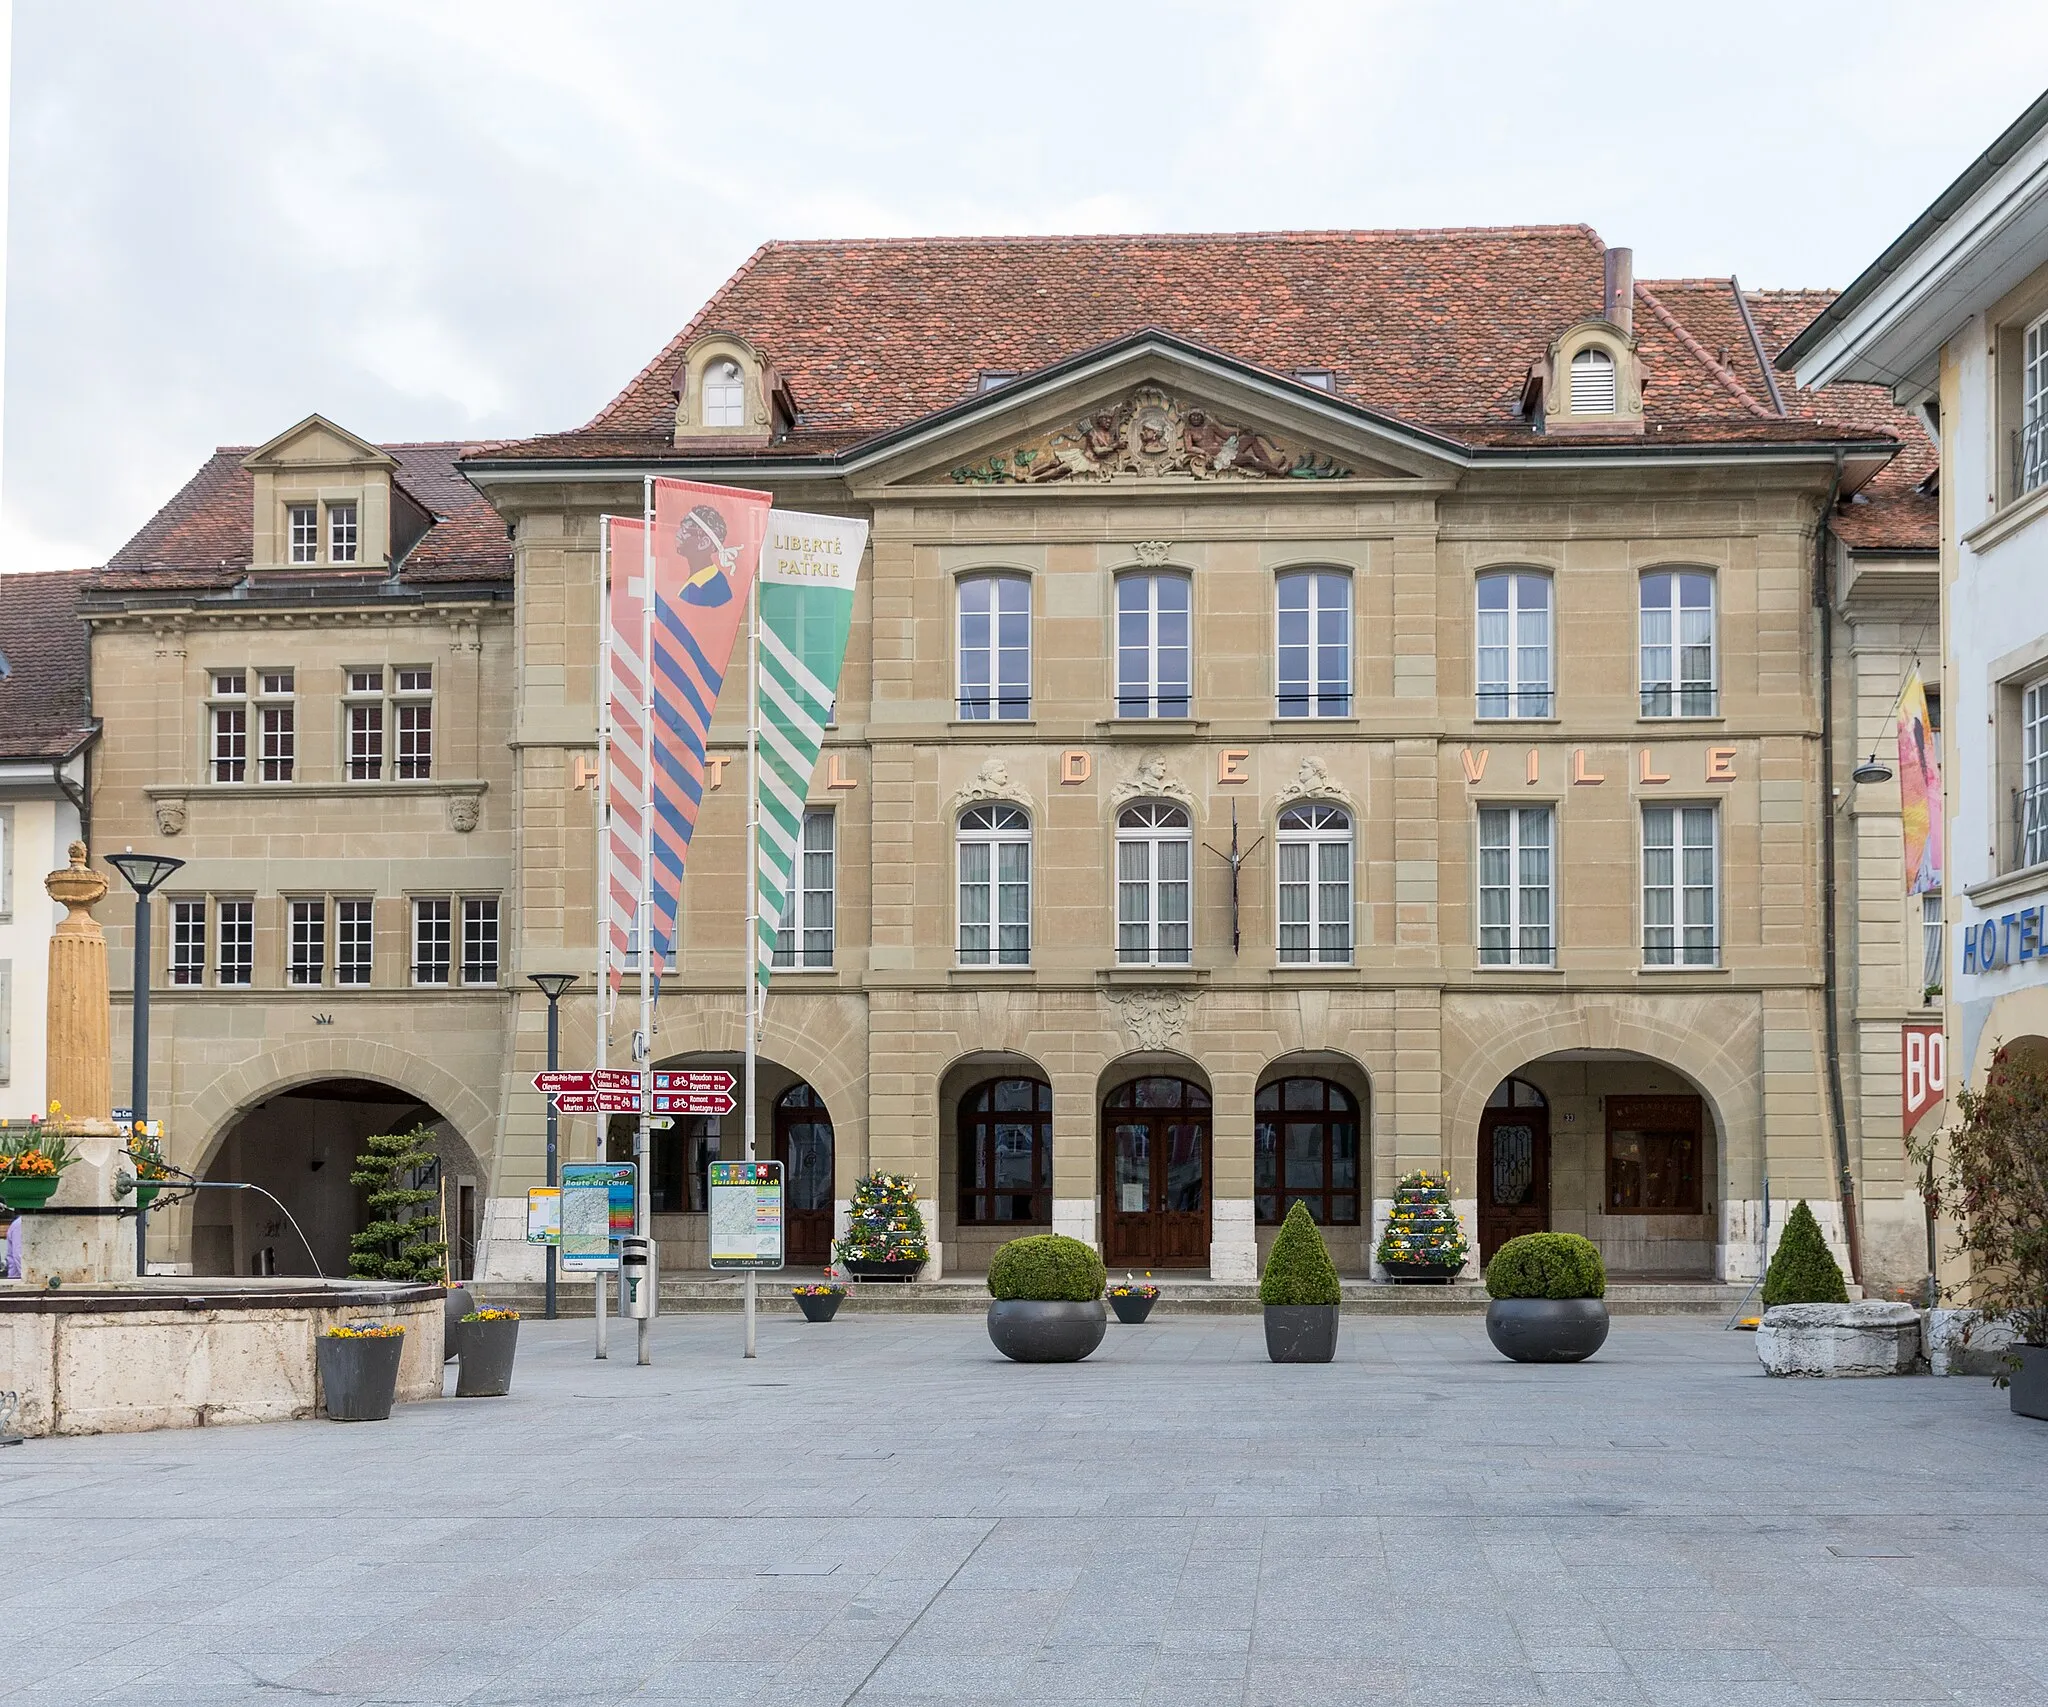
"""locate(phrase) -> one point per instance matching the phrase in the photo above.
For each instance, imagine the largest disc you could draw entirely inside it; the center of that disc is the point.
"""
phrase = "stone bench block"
(1962, 1342)
(1839, 1339)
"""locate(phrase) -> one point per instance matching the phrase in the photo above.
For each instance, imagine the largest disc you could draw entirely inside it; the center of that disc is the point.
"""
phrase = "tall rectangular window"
(1313, 632)
(1314, 861)
(188, 942)
(995, 886)
(1153, 645)
(1930, 944)
(306, 961)
(432, 939)
(1678, 643)
(354, 941)
(995, 647)
(366, 741)
(303, 520)
(237, 930)
(414, 723)
(2033, 802)
(1154, 892)
(230, 726)
(341, 533)
(1513, 636)
(1681, 901)
(277, 720)
(2032, 458)
(803, 938)
(1516, 903)
(480, 939)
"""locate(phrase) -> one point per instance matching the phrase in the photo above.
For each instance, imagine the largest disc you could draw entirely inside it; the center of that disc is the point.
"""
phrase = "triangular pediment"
(1154, 412)
(317, 443)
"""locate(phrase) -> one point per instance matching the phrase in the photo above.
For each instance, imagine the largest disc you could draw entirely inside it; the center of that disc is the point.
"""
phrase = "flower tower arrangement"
(1423, 1242)
(885, 1236)
(33, 1160)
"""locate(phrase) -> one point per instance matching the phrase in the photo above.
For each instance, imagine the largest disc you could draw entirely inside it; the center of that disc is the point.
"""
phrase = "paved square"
(882, 1511)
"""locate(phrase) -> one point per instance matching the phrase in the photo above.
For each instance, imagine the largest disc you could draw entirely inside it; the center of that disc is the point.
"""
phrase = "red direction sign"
(598, 1102)
(699, 1081)
(691, 1102)
(617, 1090)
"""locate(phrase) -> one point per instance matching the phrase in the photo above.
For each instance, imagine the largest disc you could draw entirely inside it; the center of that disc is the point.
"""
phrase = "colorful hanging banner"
(706, 545)
(625, 751)
(1919, 790)
(808, 571)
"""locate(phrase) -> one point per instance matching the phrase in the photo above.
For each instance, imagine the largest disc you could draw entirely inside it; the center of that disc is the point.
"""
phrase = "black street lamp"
(553, 985)
(145, 873)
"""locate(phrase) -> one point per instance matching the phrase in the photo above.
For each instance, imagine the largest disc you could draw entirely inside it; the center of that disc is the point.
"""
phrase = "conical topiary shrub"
(1804, 1270)
(1298, 1269)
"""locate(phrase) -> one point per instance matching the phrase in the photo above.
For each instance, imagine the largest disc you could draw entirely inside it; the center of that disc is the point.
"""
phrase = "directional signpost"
(618, 1090)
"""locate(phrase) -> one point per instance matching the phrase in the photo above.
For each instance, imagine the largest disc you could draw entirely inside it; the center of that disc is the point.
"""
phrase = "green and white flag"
(808, 569)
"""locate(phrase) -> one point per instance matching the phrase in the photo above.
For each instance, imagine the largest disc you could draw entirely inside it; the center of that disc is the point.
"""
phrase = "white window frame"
(725, 393)
(1686, 695)
(1321, 695)
(365, 728)
(807, 933)
(1524, 941)
(227, 722)
(1314, 909)
(1600, 398)
(277, 726)
(482, 922)
(2032, 804)
(424, 914)
(237, 931)
(1933, 944)
(344, 532)
(1150, 905)
(412, 723)
(2032, 461)
(1148, 693)
(984, 835)
(185, 966)
(999, 706)
(1681, 917)
(355, 926)
(305, 928)
(1514, 695)
(302, 532)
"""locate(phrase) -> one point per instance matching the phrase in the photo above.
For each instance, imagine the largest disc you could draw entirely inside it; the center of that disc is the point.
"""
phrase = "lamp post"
(553, 985)
(146, 873)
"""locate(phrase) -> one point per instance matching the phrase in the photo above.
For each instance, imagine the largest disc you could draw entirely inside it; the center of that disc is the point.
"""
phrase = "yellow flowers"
(490, 1313)
(365, 1331)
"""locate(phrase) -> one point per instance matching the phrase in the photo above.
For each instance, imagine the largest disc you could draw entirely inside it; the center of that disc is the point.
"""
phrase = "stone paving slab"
(882, 1511)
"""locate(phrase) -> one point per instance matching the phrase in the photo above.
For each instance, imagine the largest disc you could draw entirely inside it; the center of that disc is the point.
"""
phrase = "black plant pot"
(359, 1377)
(820, 1308)
(1132, 1308)
(1027, 1330)
(459, 1305)
(487, 1352)
(879, 1268)
(2029, 1383)
(1547, 1330)
(1301, 1333)
(1419, 1273)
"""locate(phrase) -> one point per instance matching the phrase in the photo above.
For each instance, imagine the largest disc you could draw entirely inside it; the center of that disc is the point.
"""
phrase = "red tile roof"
(45, 688)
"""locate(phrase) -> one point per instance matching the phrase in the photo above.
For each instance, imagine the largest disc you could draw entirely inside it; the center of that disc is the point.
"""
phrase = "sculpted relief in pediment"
(1151, 435)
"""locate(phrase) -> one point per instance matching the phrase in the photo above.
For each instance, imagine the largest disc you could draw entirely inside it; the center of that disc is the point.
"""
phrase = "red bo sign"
(1923, 1058)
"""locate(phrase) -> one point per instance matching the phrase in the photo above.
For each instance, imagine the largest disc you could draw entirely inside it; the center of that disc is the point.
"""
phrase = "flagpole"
(751, 969)
(602, 911)
(644, 1053)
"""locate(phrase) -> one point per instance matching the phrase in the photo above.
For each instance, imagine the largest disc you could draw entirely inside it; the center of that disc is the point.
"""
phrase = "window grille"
(431, 940)
(188, 942)
(341, 533)
(1678, 644)
(1153, 645)
(307, 961)
(995, 647)
(1154, 860)
(1313, 631)
(2032, 470)
(354, 941)
(1305, 1150)
(1516, 906)
(995, 886)
(2033, 801)
(237, 922)
(230, 743)
(725, 395)
(304, 521)
(366, 741)
(1314, 863)
(1006, 1152)
(1681, 900)
(480, 939)
(1514, 645)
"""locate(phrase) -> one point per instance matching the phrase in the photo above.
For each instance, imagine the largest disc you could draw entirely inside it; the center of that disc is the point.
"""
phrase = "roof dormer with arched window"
(726, 390)
(1594, 384)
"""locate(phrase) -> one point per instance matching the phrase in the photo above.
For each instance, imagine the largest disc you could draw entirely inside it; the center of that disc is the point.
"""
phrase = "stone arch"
(818, 1060)
(1150, 1063)
(973, 1243)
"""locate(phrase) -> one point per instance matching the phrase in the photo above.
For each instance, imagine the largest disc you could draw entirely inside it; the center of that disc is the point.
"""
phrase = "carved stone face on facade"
(463, 811)
(170, 817)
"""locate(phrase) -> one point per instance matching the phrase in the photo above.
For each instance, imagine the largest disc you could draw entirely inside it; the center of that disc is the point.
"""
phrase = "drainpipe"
(1830, 972)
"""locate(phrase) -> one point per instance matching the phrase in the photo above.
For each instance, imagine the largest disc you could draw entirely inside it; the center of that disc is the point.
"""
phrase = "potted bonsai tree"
(359, 1369)
(1048, 1299)
(1547, 1291)
(1300, 1293)
(885, 1238)
(487, 1341)
(402, 1241)
(819, 1303)
(1422, 1243)
(1992, 1174)
(1133, 1301)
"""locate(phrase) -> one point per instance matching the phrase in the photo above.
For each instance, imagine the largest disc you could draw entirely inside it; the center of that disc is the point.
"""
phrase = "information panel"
(544, 1215)
(596, 1212)
(746, 1214)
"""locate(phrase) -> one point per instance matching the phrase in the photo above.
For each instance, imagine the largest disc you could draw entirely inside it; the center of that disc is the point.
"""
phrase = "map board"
(596, 1212)
(746, 1214)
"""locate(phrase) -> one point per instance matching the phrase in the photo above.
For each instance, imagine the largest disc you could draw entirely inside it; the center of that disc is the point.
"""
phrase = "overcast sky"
(451, 220)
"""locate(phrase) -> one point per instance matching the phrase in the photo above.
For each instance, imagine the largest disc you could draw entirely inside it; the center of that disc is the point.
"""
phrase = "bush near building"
(1804, 1270)
(402, 1240)
(1547, 1265)
(1299, 1269)
(1047, 1268)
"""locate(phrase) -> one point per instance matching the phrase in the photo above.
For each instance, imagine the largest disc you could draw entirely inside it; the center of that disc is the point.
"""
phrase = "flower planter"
(819, 1307)
(882, 1268)
(1030, 1331)
(30, 1191)
(2029, 1382)
(487, 1350)
(1419, 1273)
(145, 1192)
(458, 1305)
(1131, 1307)
(359, 1377)
(1547, 1330)
(1301, 1333)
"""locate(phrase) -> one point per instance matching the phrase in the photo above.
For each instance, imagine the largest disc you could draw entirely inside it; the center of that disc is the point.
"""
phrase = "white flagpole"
(604, 752)
(751, 960)
(644, 1054)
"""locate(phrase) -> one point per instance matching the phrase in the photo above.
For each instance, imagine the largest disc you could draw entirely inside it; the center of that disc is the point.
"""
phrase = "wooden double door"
(803, 1144)
(1514, 1176)
(1155, 1175)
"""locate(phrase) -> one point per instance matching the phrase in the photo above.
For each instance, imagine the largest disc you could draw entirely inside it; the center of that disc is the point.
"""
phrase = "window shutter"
(1592, 383)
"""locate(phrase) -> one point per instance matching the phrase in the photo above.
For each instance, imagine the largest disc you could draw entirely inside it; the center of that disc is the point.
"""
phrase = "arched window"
(995, 886)
(995, 647)
(725, 394)
(1678, 643)
(1153, 645)
(1592, 383)
(1305, 1150)
(1313, 633)
(1154, 861)
(1513, 674)
(1315, 886)
(1516, 1093)
(1006, 1151)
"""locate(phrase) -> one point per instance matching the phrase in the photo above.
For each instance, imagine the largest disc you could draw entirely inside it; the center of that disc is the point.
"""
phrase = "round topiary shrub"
(1804, 1270)
(1047, 1268)
(1547, 1265)
(1298, 1268)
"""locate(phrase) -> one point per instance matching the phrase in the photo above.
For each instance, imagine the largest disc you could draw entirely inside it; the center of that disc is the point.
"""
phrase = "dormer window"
(1320, 377)
(993, 378)
(1592, 383)
(341, 533)
(725, 395)
(305, 532)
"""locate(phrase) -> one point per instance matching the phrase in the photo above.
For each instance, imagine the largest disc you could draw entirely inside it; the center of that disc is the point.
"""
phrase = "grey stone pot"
(488, 1349)
(459, 1305)
(1547, 1330)
(358, 1378)
(1131, 1309)
(2029, 1386)
(1027, 1330)
(1301, 1333)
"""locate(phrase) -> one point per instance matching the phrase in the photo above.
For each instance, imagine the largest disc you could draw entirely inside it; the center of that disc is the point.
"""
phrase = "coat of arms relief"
(1152, 435)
